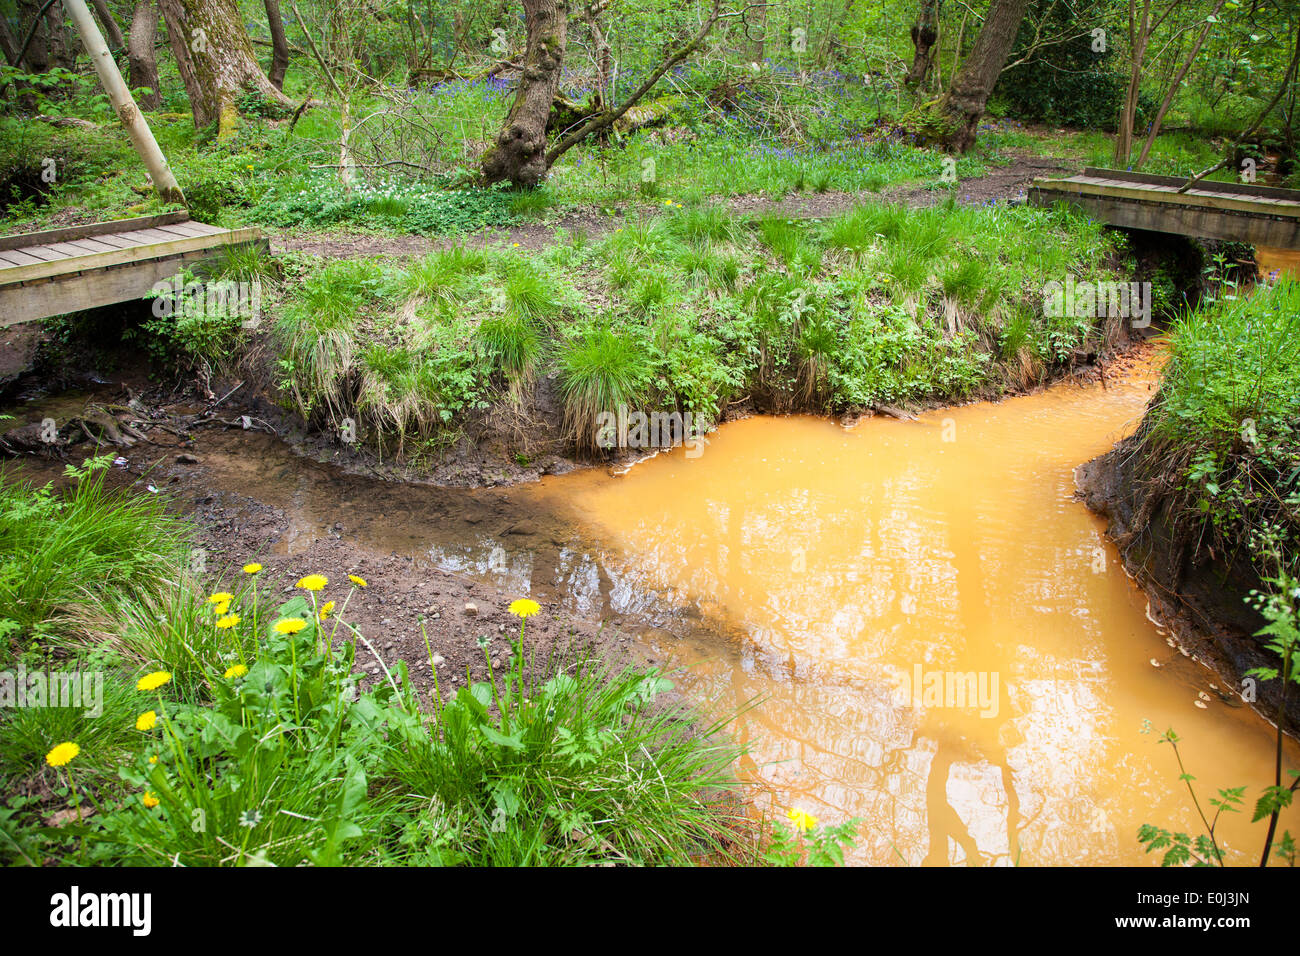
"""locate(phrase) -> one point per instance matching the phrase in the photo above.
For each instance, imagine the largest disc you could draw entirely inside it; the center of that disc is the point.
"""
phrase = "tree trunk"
(141, 136)
(111, 29)
(8, 43)
(63, 48)
(519, 155)
(140, 55)
(962, 107)
(924, 32)
(279, 44)
(216, 60)
(1174, 84)
(1139, 33)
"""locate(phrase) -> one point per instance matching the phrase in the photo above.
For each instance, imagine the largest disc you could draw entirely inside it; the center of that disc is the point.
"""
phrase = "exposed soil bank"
(1200, 597)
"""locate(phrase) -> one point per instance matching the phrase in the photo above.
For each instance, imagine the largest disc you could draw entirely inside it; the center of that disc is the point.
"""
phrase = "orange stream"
(829, 568)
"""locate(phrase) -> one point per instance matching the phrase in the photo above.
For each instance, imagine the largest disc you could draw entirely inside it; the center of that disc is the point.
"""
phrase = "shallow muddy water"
(1277, 260)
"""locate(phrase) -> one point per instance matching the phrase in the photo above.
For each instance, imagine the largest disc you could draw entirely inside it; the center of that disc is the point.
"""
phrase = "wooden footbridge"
(1238, 212)
(82, 267)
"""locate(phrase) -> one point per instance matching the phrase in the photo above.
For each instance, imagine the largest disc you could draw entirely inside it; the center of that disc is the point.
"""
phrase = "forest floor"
(1000, 184)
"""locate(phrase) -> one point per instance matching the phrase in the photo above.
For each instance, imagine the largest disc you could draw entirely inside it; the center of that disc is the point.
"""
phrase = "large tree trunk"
(111, 30)
(279, 44)
(140, 55)
(47, 44)
(519, 154)
(925, 31)
(216, 60)
(962, 107)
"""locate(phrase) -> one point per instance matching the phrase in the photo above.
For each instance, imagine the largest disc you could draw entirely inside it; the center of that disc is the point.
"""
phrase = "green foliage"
(809, 843)
(1229, 403)
(600, 369)
(402, 206)
(70, 561)
(278, 756)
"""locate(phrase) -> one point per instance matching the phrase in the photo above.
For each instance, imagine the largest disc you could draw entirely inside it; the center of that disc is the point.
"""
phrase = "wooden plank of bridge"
(81, 267)
(90, 229)
(1240, 212)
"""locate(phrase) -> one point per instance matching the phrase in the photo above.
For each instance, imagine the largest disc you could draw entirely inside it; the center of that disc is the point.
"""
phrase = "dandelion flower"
(289, 625)
(802, 820)
(153, 681)
(326, 609)
(227, 621)
(147, 720)
(668, 202)
(313, 582)
(62, 754)
(221, 597)
(149, 800)
(236, 671)
(153, 758)
(359, 582)
(524, 607)
(252, 568)
(222, 609)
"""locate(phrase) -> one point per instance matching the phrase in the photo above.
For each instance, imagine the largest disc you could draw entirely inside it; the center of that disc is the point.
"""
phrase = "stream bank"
(1196, 592)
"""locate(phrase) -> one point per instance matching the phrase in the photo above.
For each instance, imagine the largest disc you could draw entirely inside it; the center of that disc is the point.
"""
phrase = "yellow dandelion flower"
(252, 568)
(236, 671)
(326, 609)
(802, 820)
(149, 800)
(227, 621)
(359, 582)
(221, 597)
(313, 582)
(524, 607)
(222, 609)
(153, 758)
(668, 202)
(289, 625)
(153, 681)
(62, 754)
(515, 245)
(146, 721)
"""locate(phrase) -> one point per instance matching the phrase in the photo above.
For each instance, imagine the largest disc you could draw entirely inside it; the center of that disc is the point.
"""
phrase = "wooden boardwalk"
(1238, 212)
(83, 267)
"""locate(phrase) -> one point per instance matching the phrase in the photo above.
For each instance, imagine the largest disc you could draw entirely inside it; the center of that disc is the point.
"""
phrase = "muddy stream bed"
(924, 627)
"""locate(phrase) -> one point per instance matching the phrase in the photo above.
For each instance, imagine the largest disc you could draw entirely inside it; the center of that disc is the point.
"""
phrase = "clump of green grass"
(576, 765)
(72, 560)
(320, 334)
(442, 276)
(510, 344)
(600, 369)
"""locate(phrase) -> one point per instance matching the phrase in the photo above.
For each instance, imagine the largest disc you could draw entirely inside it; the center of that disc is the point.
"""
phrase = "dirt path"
(1000, 184)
